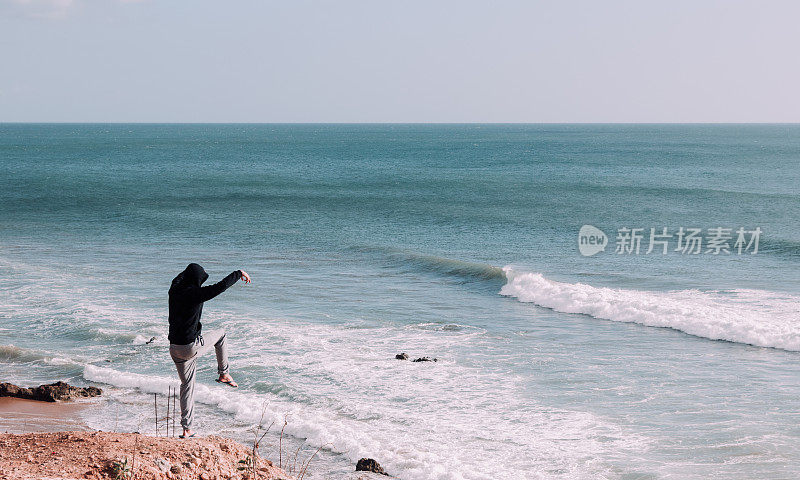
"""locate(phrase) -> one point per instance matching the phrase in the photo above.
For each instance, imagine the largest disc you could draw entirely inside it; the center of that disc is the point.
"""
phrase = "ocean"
(458, 242)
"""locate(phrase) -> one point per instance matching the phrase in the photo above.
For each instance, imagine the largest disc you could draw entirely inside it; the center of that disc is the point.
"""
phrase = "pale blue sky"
(403, 61)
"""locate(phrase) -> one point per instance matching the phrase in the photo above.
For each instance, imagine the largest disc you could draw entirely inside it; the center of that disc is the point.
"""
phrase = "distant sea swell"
(410, 260)
(754, 317)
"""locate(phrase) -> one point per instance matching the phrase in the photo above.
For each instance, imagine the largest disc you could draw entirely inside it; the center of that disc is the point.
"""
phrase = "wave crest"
(754, 317)
(409, 260)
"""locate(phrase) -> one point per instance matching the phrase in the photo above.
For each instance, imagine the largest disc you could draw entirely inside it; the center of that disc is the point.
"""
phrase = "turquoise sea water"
(452, 241)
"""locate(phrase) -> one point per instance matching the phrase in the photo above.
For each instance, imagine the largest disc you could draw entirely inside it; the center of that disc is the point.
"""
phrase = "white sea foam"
(14, 354)
(755, 317)
(318, 427)
(47, 299)
(421, 422)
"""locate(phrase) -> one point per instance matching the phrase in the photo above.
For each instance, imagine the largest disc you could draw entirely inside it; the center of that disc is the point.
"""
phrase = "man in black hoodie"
(186, 297)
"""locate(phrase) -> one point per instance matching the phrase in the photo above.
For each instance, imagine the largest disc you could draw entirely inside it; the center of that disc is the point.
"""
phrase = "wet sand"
(30, 416)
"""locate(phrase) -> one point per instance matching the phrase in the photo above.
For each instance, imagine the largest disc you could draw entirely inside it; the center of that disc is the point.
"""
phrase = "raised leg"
(217, 338)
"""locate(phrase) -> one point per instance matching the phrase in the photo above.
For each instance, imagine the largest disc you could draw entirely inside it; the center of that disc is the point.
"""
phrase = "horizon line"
(381, 123)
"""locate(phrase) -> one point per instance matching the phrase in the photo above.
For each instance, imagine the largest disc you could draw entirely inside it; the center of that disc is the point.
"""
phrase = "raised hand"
(245, 276)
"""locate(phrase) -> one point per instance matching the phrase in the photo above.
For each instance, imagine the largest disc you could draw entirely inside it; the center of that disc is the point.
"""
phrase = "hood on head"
(193, 274)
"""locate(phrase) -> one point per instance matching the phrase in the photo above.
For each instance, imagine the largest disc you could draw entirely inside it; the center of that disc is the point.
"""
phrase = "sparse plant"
(259, 432)
(250, 462)
(164, 422)
(133, 462)
(174, 398)
(280, 443)
(259, 427)
(308, 462)
(292, 469)
(155, 407)
(246, 463)
(120, 470)
(167, 418)
(294, 463)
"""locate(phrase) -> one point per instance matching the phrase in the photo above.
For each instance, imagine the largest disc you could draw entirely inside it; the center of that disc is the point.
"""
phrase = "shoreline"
(21, 416)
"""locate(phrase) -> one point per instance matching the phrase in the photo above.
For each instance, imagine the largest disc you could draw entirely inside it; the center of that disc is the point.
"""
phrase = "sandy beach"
(29, 416)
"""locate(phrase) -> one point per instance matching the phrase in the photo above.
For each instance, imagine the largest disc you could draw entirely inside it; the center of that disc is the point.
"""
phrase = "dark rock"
(401, 356)
(152, 339)
(11, 390)
(53, 392)
(369, 465)
(425, 359)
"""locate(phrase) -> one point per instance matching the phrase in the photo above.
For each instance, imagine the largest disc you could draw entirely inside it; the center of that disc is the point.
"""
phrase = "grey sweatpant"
(185, 358)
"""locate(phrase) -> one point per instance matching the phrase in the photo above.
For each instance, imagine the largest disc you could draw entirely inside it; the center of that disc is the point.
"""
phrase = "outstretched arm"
(203, 294)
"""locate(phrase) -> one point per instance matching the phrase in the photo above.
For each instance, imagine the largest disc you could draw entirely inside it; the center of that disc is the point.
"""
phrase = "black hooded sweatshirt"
(186, 298)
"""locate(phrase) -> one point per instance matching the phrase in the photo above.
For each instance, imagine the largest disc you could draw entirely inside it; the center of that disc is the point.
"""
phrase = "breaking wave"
(754, 317)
